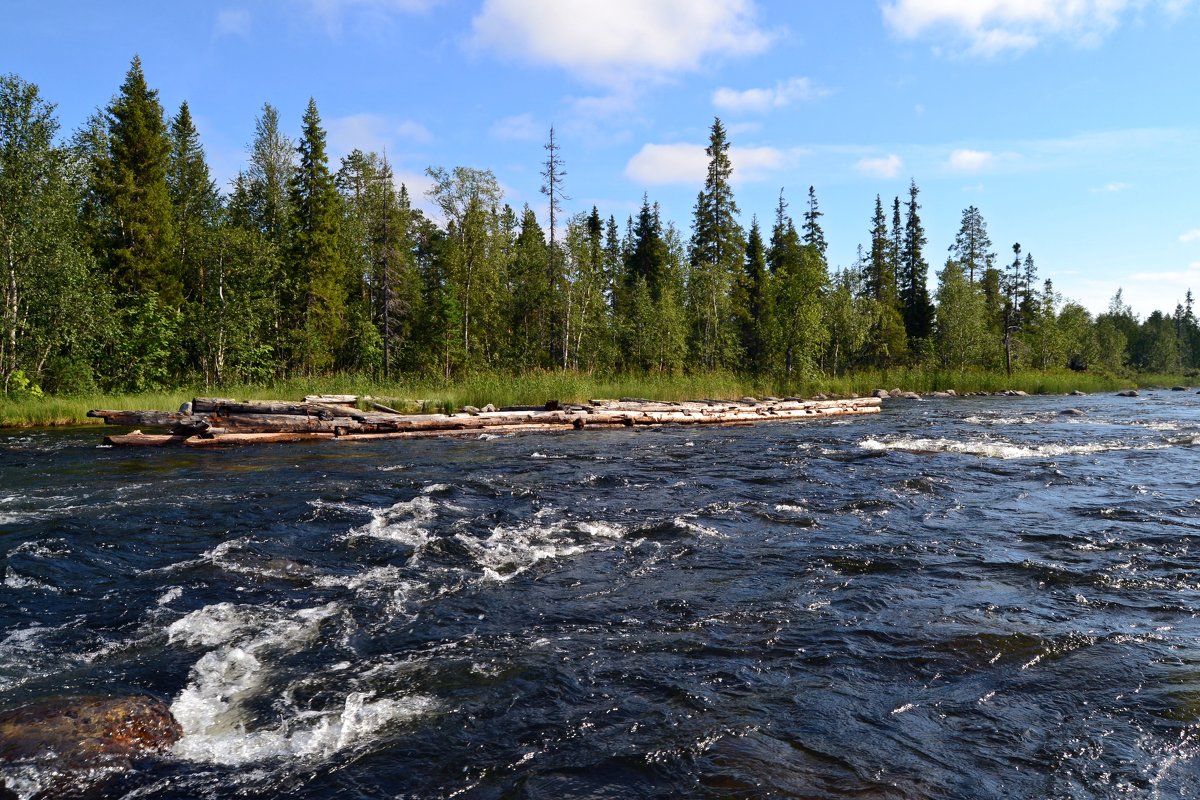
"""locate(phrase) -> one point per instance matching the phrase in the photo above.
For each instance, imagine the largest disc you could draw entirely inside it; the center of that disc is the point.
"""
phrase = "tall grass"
(535, 388)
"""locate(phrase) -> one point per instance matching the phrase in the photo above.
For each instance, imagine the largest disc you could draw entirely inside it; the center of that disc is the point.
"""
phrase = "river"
(960, 598)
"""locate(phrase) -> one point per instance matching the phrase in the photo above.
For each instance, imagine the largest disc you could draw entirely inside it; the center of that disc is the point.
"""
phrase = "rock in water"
(71, 746)
(1128, 393)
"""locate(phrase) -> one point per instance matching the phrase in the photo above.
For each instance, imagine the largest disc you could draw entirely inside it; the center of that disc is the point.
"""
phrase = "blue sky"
(1074, 125)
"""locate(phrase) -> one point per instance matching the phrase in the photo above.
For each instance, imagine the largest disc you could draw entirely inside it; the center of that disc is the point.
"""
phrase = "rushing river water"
(970, 598)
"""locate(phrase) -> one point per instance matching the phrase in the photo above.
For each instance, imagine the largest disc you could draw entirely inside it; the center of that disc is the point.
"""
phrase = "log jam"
(210, 421)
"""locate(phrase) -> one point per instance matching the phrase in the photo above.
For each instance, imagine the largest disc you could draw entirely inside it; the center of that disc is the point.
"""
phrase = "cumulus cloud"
(888, 166)
(688, 163)
(233, 22)
(781, 94)
(970, 160)
(990, 27)
(619, 41)
(522, 128)
(373, 133)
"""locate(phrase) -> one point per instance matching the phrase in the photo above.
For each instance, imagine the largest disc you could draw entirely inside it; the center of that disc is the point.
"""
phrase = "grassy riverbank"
(537, 388)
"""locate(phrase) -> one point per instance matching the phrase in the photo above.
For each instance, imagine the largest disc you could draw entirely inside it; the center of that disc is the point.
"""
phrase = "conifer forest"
(127, 269)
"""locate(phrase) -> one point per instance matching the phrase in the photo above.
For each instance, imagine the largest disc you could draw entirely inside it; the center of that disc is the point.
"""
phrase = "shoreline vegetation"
(501, 389)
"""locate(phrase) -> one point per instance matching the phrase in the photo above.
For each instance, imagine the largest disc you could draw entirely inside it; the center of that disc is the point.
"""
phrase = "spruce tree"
(716, 253)
(813, 235)
(914, 292)
(753, 302)
(972, 248)
(317, 296)
(194, 201)
(138, 234)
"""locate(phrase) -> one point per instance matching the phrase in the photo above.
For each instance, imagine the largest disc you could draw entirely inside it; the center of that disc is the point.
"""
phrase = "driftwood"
(209, 422)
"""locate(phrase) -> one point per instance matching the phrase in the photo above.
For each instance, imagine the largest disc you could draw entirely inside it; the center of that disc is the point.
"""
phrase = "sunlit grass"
(536, 388)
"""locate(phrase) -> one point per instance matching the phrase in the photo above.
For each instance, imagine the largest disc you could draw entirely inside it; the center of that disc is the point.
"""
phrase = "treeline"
(126, 269)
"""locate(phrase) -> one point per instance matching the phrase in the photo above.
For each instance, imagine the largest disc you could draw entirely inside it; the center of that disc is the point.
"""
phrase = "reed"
(412, 394)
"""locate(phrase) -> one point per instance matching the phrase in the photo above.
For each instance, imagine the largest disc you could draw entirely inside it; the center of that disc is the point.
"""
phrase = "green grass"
(422, 395)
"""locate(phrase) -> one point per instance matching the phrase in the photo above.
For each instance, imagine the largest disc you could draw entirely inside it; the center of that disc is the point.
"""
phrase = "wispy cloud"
(521, 127)
(657, 164)
(232, 22)
(373, 133)
(970, 160)
(782, 94)
(1111, 188)
(990, 27)
(888, 166)
(619, 42)
(333, 13)
(1190, 236)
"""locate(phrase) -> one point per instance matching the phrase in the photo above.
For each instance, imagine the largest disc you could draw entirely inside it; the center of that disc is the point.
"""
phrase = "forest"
(126, 269)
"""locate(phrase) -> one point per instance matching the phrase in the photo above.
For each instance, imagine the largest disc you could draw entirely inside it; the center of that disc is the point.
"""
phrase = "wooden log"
(284, 423)
(255, 438)
(139, 439)
(175, 421)
(333, 399)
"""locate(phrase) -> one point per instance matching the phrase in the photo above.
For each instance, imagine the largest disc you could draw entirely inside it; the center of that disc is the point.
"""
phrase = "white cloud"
(783, 93)
(990, 27)
(619, 41)
(888, 166)
(1185, 278)
(522, 127)
(1191, 236)
(233, 22)
(372, 133)
(970, 160)
(1112, 188)
(688, 163)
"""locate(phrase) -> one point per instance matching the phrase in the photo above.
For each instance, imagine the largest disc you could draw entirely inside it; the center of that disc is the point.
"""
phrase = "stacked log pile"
(209, 422)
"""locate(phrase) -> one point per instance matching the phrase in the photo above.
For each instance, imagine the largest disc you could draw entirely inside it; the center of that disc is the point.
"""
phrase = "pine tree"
(717, 249)
(269, 177)
(316, 276)
(879, 281)
(138, 234)
(1011, 287)
(813, 235)
(553, 175)
(914, 292)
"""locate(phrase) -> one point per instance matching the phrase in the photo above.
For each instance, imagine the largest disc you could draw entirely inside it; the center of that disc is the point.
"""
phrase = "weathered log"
(284, 423)
(203, 405)
(333, 399)
(255, 438)
(139, 439)
(176, 421)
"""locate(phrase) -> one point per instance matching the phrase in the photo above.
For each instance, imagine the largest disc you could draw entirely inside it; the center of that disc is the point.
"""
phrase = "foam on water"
(406, 522)
(248, 642)
(996, 448)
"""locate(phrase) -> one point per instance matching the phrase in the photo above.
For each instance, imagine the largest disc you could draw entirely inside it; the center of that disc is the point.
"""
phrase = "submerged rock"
(70, 746)
(1072, 412)
(1128, 393)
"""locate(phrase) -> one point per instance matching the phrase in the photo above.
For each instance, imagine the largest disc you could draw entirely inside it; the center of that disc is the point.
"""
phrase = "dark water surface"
(975, 598)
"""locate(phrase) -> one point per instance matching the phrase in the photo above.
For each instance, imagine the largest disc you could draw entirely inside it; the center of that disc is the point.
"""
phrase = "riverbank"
(417, 396)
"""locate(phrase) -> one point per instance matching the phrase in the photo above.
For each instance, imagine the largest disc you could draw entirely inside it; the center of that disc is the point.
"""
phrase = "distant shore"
(422, 395)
